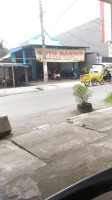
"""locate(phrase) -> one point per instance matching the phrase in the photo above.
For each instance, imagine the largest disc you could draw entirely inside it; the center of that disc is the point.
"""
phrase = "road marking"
(41, 127)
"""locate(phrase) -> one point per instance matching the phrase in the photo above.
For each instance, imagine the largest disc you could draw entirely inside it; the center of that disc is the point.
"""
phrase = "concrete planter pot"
(5, 127)
(85, 107)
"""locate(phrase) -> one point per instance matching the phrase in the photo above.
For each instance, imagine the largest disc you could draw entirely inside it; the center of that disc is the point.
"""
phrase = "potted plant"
(82, 95)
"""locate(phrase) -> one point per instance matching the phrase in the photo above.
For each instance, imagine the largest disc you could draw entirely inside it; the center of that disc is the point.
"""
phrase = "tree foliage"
(3, 50)
(84, 70)
(81, 93)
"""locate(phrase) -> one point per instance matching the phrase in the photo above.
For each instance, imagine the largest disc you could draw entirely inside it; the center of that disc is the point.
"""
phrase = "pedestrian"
(3, 82)
(54, 76)
(108, 75)
(74, 75)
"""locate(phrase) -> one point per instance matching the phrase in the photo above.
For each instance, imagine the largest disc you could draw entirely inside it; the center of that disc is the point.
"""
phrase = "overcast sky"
(19, 19)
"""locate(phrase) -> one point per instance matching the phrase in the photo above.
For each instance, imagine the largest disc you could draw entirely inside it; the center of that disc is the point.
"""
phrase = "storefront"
(65, 60)
(12, 74)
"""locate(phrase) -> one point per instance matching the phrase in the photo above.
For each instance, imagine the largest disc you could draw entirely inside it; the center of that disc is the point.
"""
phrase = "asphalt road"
(30, 110)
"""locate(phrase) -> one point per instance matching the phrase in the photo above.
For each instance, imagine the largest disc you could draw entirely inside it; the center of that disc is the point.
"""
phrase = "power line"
(94, 21)
(76, 27)
(84, 40)
(69, 8)
(84, 29)
(104, 21)
(63, 13)
(101, 23)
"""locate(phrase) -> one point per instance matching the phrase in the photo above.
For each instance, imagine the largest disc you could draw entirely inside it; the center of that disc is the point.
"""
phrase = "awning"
(107, 1)
(14, 65)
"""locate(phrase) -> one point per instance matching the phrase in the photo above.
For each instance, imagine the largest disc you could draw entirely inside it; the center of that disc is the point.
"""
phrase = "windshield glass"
(97, 66)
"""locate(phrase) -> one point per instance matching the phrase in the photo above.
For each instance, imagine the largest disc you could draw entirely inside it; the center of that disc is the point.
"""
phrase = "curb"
(90, 113)
(9, 94)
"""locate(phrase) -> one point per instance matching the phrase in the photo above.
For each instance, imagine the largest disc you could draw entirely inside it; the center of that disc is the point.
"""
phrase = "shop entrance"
(66, 70)
(52, 68)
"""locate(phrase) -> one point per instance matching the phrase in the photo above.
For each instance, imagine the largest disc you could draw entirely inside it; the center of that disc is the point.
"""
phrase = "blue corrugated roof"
(15, 49)
(14, 64)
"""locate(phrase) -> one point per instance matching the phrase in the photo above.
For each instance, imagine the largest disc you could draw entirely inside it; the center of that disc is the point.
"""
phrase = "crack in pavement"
(84, 126)
(25, 150)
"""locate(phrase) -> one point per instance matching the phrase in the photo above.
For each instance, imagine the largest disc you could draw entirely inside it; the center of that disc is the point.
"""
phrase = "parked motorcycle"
(57, 76)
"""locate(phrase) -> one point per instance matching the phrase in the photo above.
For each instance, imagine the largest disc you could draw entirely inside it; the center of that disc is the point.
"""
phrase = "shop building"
(11, 72)
(65, 60)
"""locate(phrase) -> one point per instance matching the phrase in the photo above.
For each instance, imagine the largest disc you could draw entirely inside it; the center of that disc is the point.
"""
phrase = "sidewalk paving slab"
(99, 120)
(45, 161)
(47, 142)
(70, 153)
(16, 170)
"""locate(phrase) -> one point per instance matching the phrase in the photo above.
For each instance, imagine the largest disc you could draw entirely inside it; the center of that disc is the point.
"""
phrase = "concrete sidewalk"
(37, 87)
(38, 164)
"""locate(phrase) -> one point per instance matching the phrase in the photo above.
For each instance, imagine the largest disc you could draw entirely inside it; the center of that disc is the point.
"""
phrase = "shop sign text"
(61, 55)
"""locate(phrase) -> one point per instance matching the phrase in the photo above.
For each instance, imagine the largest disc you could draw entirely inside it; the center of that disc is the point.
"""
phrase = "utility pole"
(45, 70)
(13, 76)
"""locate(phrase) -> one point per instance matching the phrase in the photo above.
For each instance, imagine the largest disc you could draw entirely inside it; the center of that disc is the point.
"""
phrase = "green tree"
(84, 70)
(3, 50)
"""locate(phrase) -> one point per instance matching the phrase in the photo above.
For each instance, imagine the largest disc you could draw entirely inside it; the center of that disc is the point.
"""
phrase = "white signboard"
(110, 48)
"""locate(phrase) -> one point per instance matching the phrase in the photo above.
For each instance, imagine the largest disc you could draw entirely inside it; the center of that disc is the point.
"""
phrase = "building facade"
(64, 60)
(96, 34)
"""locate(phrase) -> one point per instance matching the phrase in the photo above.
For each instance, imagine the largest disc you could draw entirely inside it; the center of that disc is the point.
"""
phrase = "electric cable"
(101, 23)
(84, 40)
(64, 13)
